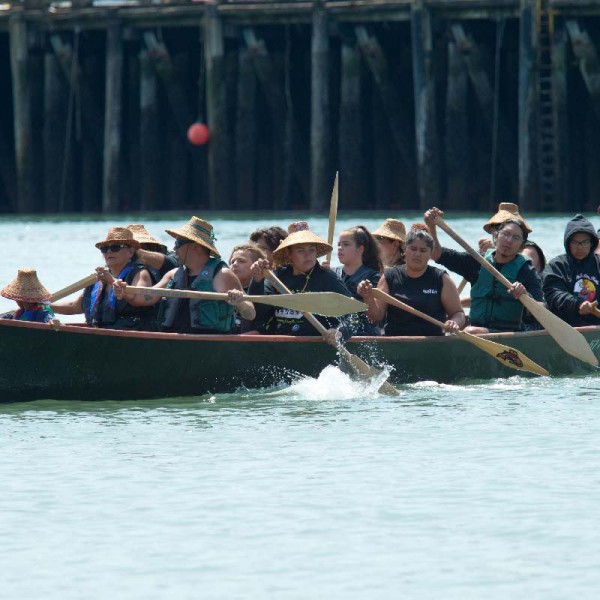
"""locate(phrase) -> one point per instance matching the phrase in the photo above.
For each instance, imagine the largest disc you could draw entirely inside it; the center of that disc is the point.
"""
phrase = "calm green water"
(318, 490)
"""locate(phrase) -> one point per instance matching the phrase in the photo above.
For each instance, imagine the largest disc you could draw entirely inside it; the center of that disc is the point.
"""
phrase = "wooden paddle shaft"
(391, 300)
(484, 263)
(74, 287)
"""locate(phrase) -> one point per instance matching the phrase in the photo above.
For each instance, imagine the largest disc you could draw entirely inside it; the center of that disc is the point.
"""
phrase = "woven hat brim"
(504, 215)
(133, 243)
(182, 232)
(21, 298)
(299, 238)
(388, 233)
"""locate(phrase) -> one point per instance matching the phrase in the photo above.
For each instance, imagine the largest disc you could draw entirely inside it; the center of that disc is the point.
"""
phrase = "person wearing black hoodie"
(571, 280)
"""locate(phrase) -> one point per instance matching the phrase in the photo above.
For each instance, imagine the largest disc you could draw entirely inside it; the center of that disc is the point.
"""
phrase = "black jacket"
(569, 282)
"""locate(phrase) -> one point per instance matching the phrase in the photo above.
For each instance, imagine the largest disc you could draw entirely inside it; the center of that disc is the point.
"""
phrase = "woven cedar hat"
(392, 229)
(140, 233)
(119, 235)
(298, 233)
(199, 231)
(506, 210)
(26, 288)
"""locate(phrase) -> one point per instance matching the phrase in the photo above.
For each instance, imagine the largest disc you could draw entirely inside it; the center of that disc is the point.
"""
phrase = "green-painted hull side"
(78, 363)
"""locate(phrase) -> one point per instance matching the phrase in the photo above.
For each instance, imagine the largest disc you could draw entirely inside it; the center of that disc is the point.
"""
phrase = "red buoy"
(198, 134)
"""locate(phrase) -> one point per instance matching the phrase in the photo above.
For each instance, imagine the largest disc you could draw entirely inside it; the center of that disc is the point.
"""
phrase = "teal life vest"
(491, 304)
(204, 314)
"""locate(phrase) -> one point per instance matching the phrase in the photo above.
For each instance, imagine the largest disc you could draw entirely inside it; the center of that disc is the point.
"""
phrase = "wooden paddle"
(569, 339)
(462, 285)
(509, 357)
(333, 206)
(74, 287)
(330, 304)
(359, 366)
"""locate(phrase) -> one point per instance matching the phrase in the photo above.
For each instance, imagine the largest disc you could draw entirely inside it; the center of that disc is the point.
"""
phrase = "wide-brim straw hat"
(26, 288)
(140, 233)
(506, 210)
(391, 229)
(199, 231)
(119, 235)
(298, 234)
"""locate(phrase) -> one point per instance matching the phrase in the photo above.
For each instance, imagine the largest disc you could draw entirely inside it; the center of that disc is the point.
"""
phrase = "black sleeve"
(169, 263)
(530, 278)
(461, 263)
(559, 298)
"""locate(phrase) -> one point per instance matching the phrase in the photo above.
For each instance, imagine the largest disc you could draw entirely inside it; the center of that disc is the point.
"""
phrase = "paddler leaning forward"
(201, 270)
(493, 307)
(300, 271)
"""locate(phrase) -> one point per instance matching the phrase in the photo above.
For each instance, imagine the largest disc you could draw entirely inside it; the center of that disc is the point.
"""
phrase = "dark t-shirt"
(283, 321)
(423, 293)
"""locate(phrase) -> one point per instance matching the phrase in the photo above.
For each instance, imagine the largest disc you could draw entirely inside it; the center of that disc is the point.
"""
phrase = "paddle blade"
(361, 368)
(328, 304)
(568, 338)
(509, 357)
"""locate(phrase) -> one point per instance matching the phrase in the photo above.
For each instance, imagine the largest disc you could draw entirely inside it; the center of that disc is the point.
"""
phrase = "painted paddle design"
(509, 357)
(360, 367)
(329, 304)
(569, 339)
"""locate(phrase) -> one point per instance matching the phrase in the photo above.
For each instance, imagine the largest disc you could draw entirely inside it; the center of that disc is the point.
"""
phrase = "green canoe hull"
(81, 363)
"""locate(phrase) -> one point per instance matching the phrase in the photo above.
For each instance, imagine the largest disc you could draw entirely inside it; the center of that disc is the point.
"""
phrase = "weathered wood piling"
(462, 104)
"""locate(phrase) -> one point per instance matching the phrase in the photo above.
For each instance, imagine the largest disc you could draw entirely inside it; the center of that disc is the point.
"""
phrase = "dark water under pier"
(460, 103)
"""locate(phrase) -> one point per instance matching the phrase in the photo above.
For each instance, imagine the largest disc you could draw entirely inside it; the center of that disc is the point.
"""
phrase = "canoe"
(79, 362)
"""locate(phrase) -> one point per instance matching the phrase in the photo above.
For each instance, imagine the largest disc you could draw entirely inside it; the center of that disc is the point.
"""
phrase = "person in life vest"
(493, 307)
(419, 285)
(99, 302)
(572, 280)
(31, 296)
(201, 270)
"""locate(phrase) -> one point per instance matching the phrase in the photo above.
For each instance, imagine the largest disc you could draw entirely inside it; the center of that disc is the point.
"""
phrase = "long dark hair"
(363, 237)
(530, 244)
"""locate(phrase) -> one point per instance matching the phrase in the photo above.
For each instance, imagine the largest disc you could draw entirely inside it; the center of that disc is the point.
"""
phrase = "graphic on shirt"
(585, 288)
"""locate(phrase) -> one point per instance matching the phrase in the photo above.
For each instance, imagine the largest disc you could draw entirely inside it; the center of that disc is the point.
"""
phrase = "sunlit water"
(320, 489)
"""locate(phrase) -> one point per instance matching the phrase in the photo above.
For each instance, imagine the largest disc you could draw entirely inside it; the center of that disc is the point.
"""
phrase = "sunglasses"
(181, 242)
(112, 248)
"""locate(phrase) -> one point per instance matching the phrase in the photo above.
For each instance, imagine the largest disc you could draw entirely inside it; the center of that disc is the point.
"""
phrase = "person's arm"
(532, 282)
(376, 308)
(152, 259)
(452, 306)
(430, 217)
(461, 263)
(226, 281)
(119, 287)
(68, 307)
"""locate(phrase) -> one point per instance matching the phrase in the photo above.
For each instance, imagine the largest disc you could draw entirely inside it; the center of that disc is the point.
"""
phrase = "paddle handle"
(462, 285)
(74, 287)
(484, 263)
(333, 207)
(284, 290)
(395, 302)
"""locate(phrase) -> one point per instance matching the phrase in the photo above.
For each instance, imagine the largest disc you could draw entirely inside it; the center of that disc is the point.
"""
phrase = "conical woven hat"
(506, 210)
(119, 235)
(140, 233)
(298, 234)
(199, 231)
(26, 287)
(392, 229)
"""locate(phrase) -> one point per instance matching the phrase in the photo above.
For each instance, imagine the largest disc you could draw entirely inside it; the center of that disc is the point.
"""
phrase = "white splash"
(334, 384)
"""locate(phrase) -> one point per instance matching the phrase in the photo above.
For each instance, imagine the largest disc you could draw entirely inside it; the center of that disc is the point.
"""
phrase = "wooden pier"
(455, 103)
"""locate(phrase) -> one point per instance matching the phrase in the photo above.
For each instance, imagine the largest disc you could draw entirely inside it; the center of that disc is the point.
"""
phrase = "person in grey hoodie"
(572, 280)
